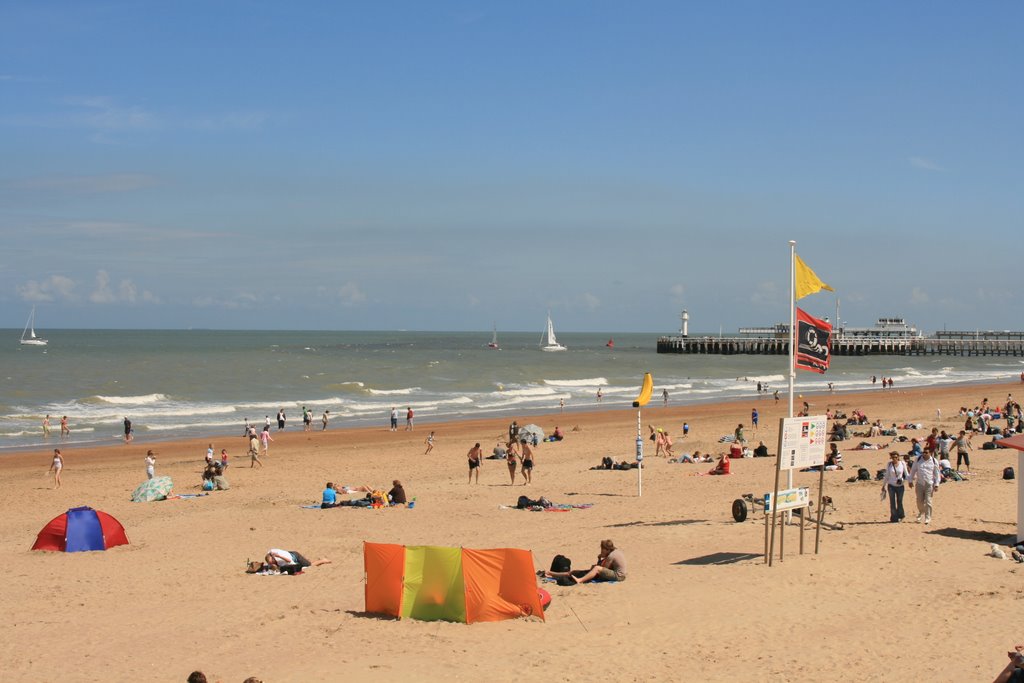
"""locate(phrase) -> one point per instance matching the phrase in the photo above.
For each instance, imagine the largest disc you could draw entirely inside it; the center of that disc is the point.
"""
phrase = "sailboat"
(30, 329)
(552, 344)
(610, 344)
(494, 339)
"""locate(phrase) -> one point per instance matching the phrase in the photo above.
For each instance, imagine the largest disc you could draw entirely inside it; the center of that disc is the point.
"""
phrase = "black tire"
(739, 510)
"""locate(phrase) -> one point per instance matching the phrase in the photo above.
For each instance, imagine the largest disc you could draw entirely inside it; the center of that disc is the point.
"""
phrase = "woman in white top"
(56, 466)
(895, 483)
(150, 464)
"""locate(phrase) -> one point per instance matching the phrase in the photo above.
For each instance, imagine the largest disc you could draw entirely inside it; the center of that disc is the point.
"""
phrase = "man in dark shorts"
(127, 430)
(475, 457)
(527, 462)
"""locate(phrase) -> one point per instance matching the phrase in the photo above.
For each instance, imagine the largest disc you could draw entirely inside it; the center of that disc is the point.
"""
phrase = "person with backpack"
(895, 476)
(963, 444)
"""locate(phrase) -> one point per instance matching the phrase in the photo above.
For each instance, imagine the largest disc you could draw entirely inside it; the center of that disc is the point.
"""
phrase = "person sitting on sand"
(722, 467)
(220, 482)
(611, 566)
(761, 451)
(330, 497)
(498, 452)
(557, 435)
(397, 493)
(1014, 670)
(290, 561)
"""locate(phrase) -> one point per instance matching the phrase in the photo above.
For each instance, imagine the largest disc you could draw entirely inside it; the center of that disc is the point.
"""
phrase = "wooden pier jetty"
(943, 344)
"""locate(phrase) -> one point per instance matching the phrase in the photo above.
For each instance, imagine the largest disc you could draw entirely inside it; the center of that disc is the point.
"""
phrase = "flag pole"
(792, 339)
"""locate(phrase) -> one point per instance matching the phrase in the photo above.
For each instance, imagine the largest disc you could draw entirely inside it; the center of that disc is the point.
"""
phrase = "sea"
(202, 383)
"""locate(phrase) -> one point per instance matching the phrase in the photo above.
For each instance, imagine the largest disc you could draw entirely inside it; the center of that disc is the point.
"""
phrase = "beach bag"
(561, 563)
(1008, 473)
(879, 475)
(863, 474)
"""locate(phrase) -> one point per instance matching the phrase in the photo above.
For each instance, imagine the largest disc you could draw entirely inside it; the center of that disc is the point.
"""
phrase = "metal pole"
(792, 339)
(639, 457)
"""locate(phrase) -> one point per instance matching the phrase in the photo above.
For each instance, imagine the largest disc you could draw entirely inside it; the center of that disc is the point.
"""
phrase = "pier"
(943, 344)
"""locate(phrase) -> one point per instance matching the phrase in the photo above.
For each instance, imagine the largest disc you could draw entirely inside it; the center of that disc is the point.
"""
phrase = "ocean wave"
(146, 399)
(395, 392)
(592, 382)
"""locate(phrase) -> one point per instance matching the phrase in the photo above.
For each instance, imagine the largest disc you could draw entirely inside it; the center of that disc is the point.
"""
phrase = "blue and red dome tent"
(81, 529)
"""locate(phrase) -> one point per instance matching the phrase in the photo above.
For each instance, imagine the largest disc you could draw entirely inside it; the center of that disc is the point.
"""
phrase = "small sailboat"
(494, 339)
(552, 344)
(30, 330)
(610, 344)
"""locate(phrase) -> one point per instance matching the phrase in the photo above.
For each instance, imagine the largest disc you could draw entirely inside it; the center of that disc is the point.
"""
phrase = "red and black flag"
(813, 343)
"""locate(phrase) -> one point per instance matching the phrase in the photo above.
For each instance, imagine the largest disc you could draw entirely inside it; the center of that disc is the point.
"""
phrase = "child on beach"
(430, 443)
(265, 439)
(223, 458)
(150, 464)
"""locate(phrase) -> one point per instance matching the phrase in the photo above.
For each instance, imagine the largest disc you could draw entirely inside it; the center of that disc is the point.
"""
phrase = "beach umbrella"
(156, 488)
(531, 430)
(81, 529)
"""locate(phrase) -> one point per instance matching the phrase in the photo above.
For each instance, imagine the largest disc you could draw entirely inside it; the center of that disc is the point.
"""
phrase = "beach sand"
(880, 602)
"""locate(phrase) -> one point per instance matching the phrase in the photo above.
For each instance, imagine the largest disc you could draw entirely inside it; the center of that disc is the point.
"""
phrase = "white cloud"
(350, 294)
(53, 288)
(126, 292)
(918, 296)
(235, 302)
(677, 292)
(591, 302)
(925, 164)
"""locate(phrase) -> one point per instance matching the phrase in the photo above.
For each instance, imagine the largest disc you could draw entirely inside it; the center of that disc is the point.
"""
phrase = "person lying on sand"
(285, 561)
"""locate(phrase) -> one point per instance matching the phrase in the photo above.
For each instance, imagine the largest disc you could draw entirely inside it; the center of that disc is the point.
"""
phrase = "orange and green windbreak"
(451, 584)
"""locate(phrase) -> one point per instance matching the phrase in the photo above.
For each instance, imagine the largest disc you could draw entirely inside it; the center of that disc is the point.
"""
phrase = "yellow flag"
(807, 282)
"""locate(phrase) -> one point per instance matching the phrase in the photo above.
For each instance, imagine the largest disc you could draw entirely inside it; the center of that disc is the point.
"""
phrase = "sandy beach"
(880, 602)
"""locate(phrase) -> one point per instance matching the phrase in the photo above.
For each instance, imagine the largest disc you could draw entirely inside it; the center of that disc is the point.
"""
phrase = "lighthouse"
(685, 317)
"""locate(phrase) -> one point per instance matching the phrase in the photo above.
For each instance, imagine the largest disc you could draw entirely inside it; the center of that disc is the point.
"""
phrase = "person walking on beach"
(307, 419)
(326, 416)
(429, 442)
(527, 463)
(776, 395)
(599, 395)
(150, 464)
(513, 432)
(46, 426)
(127, 429)
(394, 419)
(561, 405)
(895, 478)
(664, 396)
(408, 418)
(223, 458)
(738, 435)
(209, 455)
(281, 418)
(475, 457)
(56, 466)
(65, 431)
(753, 419)
(963, 444)
(265, 440)
(254, 452)
(924, 477)
(512, 460)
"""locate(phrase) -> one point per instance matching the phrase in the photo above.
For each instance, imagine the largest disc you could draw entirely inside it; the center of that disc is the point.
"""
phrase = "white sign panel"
(802, 442)
(789, 499)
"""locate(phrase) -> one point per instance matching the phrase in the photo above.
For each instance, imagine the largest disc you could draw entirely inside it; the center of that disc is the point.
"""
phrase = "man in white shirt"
(924, 477)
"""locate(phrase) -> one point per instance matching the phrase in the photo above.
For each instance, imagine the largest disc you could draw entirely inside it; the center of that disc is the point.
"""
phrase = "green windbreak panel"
(433, 589)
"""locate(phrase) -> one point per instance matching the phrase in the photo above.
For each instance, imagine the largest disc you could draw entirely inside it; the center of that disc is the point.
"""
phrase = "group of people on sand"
(610, 566)
(516, 454)
(374, 496)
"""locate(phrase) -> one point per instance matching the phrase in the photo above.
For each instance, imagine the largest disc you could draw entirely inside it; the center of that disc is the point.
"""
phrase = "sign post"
(801, 444)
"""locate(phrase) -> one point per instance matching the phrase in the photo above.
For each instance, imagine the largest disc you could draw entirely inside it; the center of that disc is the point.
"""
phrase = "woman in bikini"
(511, 459)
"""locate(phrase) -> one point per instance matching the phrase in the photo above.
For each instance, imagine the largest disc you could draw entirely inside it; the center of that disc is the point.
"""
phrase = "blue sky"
(442, 165)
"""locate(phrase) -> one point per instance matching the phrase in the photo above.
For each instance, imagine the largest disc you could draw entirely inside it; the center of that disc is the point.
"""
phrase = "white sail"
(552, 344)
(494, 338)
(30, 330)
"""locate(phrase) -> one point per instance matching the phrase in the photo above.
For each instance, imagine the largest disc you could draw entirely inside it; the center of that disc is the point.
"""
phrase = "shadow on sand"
(720, 558)
(999, 537)
(673, 522)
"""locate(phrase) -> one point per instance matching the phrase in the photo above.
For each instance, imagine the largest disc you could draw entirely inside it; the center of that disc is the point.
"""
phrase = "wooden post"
(766, 537)
(803, 516)
(821, 510)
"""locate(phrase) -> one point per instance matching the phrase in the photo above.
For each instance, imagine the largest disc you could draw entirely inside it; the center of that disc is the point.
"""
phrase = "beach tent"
(434, 583)
(81, 529)
(1018, 443)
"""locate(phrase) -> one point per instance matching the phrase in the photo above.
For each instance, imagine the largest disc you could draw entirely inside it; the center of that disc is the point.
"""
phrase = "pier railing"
(918, 346)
